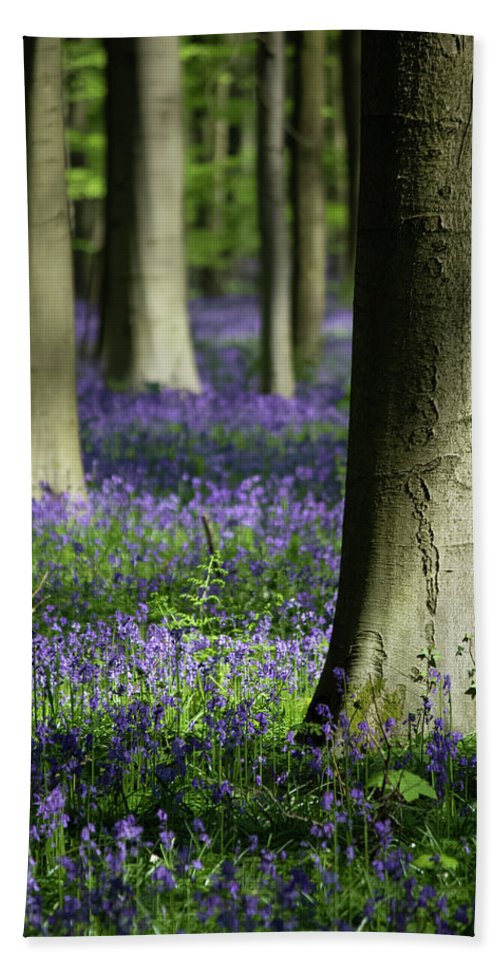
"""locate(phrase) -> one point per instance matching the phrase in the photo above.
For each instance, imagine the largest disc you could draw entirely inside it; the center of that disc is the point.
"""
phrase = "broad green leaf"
(408, 784)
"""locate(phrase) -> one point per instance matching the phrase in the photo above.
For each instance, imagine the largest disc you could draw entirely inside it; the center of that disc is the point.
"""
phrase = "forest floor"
(169, 793)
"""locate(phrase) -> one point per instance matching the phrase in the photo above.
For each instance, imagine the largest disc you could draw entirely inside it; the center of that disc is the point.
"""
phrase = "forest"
(253, 665)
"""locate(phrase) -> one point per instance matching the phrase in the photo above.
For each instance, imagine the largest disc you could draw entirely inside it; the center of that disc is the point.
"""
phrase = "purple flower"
(164, 877)
(167, 838)
(426, 893)
(127, 829)
(383, 829)
(462, 913)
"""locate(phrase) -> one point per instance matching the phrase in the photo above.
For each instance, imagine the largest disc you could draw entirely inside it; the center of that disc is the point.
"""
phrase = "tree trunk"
(406, 579)
(337, 182)
(115, 346)
(350, 46)
(277, 368)
(55, 443)
(219, 144)
(155, 348)
(309, 228)
(162, 348)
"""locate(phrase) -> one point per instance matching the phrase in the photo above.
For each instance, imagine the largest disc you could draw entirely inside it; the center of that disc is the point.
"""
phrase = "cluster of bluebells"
(165, 765)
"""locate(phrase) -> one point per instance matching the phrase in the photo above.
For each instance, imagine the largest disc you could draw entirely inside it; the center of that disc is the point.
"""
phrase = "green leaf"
(429, 861)
(85, 183)
(408, 784)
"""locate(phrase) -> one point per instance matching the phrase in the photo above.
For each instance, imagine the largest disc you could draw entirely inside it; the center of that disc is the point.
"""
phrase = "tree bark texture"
(157, 338)
(406, 577)
(55, 443)
(309, 228)
(277, 359)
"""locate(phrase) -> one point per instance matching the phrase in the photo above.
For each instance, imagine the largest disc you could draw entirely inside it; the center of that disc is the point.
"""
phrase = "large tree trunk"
(406, 581)
(55, 443)
(155, 347)
(277, 365)
(309, 228)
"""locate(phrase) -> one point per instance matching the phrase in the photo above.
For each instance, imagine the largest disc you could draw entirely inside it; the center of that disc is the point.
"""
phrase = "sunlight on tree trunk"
(277, 376)
(162, 348)
(55, 443)
(148, 340)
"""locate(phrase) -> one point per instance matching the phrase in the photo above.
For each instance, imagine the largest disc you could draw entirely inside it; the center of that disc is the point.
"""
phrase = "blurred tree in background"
(84, 62)
(277, 360)
(308, 198)
(351, 88)
(115, 342)
(146, 338)
(219, 105)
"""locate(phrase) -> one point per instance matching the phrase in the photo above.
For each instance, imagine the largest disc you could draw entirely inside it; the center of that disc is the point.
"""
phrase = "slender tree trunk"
(162, 348)
(337, 183)
(350, 46)
(115, 347)
(277, 365)
(219, 144)
(155, 347)
(309, 242)
(406, 581)
(55, 444)
(243, 145)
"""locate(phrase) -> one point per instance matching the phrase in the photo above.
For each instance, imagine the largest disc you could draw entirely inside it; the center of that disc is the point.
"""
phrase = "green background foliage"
(219, 87)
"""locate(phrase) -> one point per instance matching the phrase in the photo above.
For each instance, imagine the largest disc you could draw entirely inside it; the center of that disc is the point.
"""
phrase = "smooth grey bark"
(162, 347)
(309, 227)
(406, 577)
(157, 347)
(277, 359)
(55, 444)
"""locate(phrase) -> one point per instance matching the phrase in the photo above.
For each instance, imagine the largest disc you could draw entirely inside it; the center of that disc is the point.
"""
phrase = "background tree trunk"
(55, 443)
(115, 346)
(309, 228)
(162, 347)
(213, 278)
(277, 367)
(406, 579)
(146, 329)
(350, 46)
